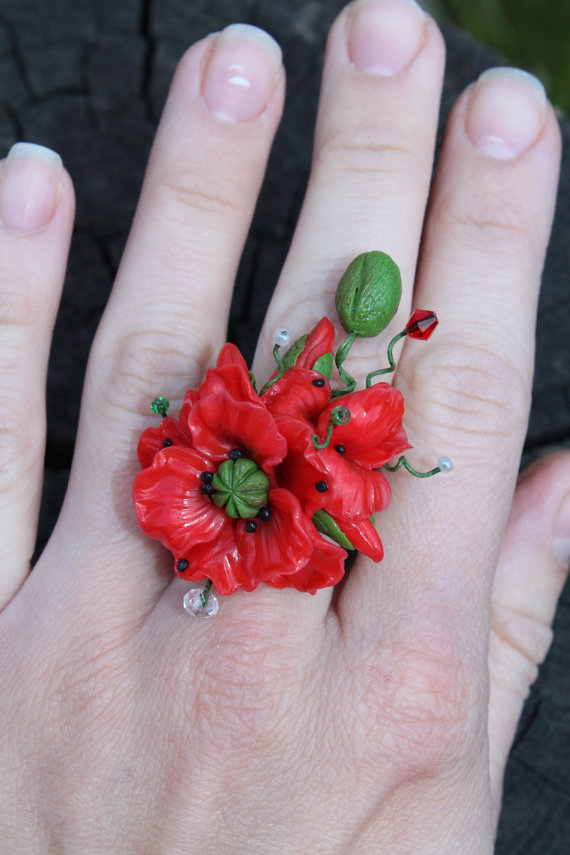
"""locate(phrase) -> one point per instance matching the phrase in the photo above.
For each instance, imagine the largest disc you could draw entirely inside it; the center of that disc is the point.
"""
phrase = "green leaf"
(292, 355)
(325, 524)
(324, 365)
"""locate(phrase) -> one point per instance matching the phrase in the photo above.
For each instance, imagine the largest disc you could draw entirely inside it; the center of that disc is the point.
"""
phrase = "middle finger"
(372, 161)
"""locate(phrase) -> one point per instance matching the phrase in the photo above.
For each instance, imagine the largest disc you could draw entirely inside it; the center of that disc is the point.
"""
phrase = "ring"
(276, 486)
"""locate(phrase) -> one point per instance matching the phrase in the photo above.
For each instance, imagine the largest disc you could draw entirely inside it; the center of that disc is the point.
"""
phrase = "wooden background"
(89, 78)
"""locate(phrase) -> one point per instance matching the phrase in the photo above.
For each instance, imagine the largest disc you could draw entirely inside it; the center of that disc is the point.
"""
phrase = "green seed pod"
(368, 294)
(240, 488)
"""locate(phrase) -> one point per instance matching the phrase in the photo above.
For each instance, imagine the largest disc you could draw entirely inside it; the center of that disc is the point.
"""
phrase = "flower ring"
(274, 487)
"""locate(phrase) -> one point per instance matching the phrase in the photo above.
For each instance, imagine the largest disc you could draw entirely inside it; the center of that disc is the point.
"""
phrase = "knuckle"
(424, 701)
(242, 699)
(519, 644)
(80, 683)
(21, 447)
(469, 391)
(490, 221)
(181, 190)
(139, 365)
(18, 307)
(367, 149)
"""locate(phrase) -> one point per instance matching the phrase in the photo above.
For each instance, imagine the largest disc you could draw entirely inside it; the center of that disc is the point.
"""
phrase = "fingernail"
(241, 73)
(29, 187)
(561, 543)
(506, 112)
(385, 35)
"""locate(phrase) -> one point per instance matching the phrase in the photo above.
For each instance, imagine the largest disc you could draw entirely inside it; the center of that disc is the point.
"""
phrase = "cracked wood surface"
(88, 78)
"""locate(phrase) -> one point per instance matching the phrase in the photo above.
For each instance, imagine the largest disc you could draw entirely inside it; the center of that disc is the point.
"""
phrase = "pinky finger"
(532, 569)
(36, 219)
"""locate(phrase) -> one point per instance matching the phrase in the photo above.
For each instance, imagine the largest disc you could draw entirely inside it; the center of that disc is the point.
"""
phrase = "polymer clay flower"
(341, 479)
(209, 495)
(245, 488)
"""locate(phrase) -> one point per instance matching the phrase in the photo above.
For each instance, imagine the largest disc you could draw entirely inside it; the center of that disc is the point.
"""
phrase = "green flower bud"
(240, 488)
(368, 294)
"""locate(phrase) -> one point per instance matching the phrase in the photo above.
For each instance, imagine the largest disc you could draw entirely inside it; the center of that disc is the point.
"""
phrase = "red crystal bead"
(421, 324)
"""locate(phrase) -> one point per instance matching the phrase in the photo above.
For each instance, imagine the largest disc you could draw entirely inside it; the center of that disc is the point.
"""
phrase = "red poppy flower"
(182, 499)
(341, 479)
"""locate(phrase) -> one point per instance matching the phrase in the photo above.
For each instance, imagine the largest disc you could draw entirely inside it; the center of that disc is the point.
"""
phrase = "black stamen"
(250, 525)
(206, 477)
(182, 565)
(320, 381)
(264, 514)
(166, 443)
(235, 454)
(340, 448)
(322, 486)
(207, 489)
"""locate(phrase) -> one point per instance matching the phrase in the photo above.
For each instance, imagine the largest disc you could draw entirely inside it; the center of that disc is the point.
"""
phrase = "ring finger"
(373, 157)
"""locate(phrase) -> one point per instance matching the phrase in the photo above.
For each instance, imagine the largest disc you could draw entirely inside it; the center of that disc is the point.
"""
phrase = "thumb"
(531, 572)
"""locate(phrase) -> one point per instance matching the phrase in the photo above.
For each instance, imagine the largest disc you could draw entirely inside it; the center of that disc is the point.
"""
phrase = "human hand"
(353, 722)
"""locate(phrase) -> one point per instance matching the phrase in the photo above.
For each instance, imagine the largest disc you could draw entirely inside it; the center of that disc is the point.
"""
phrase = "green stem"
(327, 439)
(390, 355)
(403, 462)
(280, 373)
(347, 379)
(339, 416)
(205, 595)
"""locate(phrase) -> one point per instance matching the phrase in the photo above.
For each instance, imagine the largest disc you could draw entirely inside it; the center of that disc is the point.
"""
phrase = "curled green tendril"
(347, 379)
(404, 462)
(339, 416)
(281, 370)
(392, 365)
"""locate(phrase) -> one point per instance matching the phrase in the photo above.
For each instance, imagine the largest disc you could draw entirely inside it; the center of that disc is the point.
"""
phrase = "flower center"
(240, 488)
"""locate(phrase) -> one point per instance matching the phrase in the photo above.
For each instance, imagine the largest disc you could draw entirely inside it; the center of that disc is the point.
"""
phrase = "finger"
(36, 219)
(372, 160)
(168, 311)
(166, 317)
(532, 569)
(467, 392)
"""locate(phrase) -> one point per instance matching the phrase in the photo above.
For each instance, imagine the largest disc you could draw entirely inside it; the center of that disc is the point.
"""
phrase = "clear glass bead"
(193, 604)
(282, 337)
(445, 464)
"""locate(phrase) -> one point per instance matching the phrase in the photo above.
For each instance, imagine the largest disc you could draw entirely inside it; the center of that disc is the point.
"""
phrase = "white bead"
(445, 464)
(193, 604)
(282, 337)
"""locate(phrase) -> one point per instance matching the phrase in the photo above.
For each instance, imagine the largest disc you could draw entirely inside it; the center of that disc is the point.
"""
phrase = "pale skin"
(373, 718)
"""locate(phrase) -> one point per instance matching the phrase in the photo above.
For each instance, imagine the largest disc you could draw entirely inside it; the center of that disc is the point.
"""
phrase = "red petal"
(295, 395)
(219, 561)
(352, 490)
(152, 439)
(169, 502)
(363, 536)
(230, 355)
(219, 423)
(324, 568)
(280, 545)
(230, 375)
(190, 399)
(319, 341)
(374, 433)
